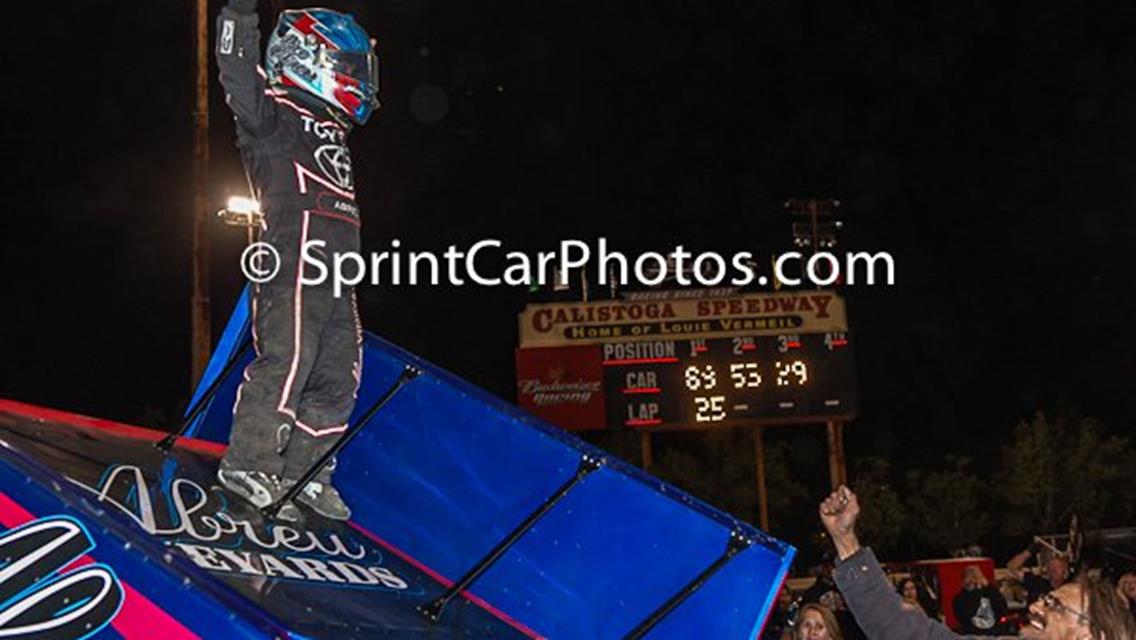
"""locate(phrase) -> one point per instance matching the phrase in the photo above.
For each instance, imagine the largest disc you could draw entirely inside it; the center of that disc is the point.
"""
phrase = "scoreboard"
(688, 363)
(706, 383)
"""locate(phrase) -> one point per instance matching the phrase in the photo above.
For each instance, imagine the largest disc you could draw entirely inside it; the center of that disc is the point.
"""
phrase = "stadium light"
(241, 211)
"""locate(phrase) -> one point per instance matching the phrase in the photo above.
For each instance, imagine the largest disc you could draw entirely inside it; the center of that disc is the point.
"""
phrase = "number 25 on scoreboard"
(709, 408)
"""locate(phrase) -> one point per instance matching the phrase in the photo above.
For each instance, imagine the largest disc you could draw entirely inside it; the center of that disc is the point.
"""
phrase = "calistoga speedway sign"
(559, 324)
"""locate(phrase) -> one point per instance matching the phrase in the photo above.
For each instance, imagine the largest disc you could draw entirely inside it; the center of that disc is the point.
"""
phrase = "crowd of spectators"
(852, 598)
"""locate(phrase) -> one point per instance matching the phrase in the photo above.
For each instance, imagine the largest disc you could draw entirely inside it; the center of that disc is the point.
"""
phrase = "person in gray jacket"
(1087, 609)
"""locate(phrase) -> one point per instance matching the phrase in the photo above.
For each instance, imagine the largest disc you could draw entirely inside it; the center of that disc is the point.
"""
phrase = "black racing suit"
(298, 392)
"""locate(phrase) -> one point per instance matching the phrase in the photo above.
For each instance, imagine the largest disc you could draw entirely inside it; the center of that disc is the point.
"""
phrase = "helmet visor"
(360, 65)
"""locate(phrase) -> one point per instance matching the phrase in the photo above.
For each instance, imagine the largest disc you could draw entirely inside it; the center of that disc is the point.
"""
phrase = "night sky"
(988, 145)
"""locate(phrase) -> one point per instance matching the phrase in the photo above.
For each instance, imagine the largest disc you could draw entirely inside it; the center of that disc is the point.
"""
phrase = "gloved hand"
(243, 6)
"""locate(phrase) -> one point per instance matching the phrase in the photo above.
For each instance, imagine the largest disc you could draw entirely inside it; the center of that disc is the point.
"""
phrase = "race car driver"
(293, 116)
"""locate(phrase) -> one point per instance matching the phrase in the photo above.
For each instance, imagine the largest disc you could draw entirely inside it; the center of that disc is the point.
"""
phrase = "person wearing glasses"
(1085, 609)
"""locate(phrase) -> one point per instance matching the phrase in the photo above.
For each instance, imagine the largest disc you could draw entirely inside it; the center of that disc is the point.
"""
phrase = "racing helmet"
(325, 54)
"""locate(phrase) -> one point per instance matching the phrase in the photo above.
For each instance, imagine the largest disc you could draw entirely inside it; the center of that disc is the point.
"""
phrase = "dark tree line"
(1049, 467)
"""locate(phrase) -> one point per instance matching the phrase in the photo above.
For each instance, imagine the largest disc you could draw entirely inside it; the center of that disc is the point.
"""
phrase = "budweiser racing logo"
(546, 394)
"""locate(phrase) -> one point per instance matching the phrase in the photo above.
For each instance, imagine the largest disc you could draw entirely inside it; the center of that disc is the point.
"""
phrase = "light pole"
(818, 232)
(200, 331)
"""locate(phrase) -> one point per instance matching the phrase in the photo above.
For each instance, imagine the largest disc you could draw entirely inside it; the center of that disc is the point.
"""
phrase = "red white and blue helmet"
(328, 55)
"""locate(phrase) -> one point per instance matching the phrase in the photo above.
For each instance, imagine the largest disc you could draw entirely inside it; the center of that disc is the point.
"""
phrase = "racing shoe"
(259, 489)
(325, 500)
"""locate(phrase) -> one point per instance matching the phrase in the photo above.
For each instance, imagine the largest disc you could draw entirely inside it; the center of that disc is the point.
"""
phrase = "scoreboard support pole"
(762, 494)
(836, 469)
(645, 448)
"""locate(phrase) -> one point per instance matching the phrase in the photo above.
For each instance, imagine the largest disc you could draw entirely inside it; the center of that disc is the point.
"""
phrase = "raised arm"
(1017, 563)
(238, 57)
(867, 591)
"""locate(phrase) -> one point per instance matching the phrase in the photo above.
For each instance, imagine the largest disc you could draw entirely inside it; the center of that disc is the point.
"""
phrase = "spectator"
(1126, 587)
(909, 591)
(816, 622)
(1087, 609)
(979, 608)
(824, 590)
(1083, 609)
(825, 593)
(1056, 574)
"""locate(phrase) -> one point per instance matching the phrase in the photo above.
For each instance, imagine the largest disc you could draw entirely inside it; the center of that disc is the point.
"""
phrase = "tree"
(947, 506)
(715, 466)
(882, 517)
(720, 469)
(787, 518)
(1055, 466)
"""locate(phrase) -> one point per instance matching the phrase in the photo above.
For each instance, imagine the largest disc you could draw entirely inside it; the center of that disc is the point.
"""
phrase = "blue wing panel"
(445, 471)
